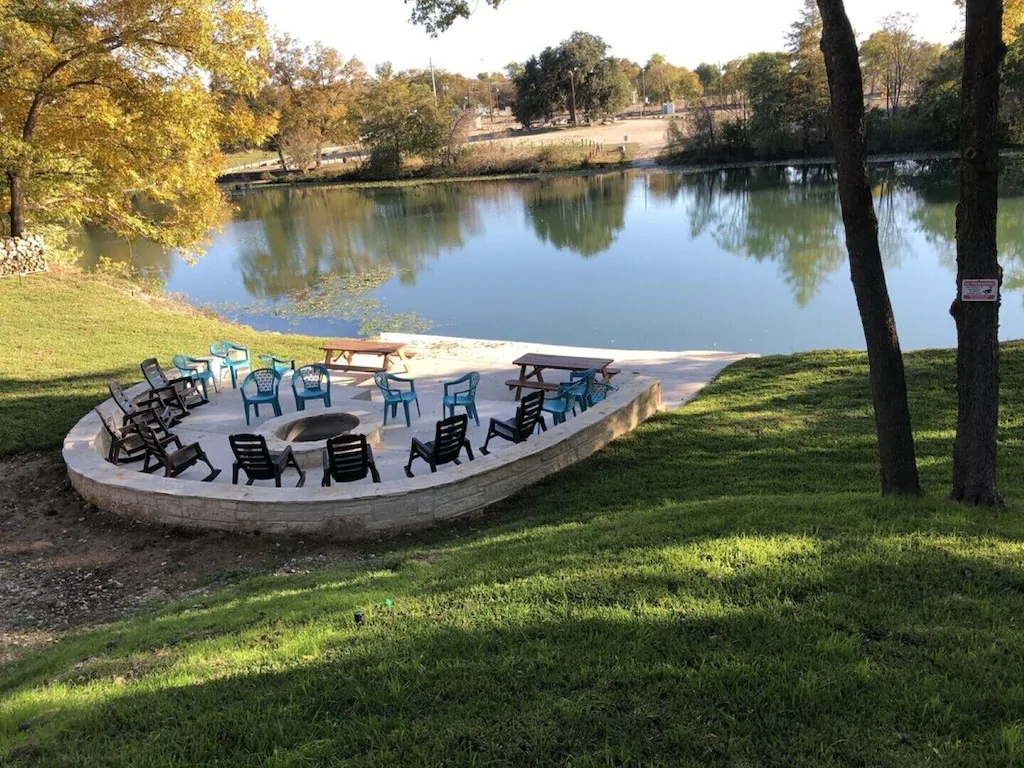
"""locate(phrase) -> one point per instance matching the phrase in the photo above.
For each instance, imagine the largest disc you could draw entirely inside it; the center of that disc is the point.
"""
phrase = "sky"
(686, 32)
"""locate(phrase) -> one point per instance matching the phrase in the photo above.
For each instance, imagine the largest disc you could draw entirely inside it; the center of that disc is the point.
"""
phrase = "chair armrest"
(393, 377)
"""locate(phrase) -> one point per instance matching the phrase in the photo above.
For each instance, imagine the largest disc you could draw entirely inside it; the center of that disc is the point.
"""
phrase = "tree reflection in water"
(583, 214)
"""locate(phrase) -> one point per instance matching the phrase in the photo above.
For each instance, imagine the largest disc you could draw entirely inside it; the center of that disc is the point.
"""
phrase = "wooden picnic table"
(533, 364)
(345, 349)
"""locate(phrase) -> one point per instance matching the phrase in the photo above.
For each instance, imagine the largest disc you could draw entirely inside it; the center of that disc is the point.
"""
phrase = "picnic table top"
(562, 362)
(362, 345)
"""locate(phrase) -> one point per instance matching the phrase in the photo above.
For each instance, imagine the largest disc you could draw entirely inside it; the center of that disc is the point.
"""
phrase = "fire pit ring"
(306, 432)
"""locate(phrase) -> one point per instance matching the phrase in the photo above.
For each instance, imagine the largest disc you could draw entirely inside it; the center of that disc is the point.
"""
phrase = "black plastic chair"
(180, 392)
(449, 440)
(173, 462)
(144, 403)
(529, 414)
(254, 458)
(348, 458)
(124, 443)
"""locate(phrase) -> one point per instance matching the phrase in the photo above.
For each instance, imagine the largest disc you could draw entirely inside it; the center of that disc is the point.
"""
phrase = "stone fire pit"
(307, 432)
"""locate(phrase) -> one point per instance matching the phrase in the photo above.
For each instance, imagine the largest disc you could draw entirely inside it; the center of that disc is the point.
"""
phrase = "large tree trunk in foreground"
(977, 322)
(888, 383)
(16, 182)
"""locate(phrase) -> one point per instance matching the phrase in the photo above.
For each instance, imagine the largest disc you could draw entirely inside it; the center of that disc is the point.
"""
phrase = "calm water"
(749, 260)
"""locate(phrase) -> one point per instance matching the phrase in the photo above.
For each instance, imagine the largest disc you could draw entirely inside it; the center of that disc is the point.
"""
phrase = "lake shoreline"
(632, 165)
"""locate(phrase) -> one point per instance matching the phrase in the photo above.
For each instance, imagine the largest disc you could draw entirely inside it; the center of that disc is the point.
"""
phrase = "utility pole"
(433, 82)
(572, 87)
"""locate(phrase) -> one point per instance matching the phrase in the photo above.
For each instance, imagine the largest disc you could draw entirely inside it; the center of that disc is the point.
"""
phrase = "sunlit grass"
(722, 586)
(66, 335)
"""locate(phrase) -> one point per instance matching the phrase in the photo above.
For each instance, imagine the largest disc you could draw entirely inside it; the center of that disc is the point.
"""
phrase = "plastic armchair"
(564, 400)
(586, 380)
(233, 357)
(279, 364)
(395, 396)
(599, 390)
(311, 382)
(198, 369)
(261, 387)
(461, 393)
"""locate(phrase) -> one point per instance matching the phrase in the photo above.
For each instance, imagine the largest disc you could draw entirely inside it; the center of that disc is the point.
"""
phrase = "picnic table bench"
(533, 365)
(338, 355)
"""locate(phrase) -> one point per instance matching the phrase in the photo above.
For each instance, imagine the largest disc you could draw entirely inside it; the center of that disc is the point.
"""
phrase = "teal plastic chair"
(599, 390)
(198, 369)
(311, 382)
(587, 379)
(279, 364)
(461, 393)
(565, 400)
(395, 396)
(266, 384)
(232, 357)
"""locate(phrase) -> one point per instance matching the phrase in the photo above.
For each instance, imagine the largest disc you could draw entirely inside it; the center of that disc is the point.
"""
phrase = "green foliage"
(399, 119)
(765, 79)
(438, 15)
(723, 586)
(105, 107)
(546, 83)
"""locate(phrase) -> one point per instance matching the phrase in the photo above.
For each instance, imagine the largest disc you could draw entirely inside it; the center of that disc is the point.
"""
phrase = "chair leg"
(469, 449)
(542, 424)
(234, 475)
(385, 414)
(417, 401)
(484, 450)
(408, 420)
(408, 467)
(300, 404)
(247, 406)
(472, 412)
(276, 405)
(327, 399)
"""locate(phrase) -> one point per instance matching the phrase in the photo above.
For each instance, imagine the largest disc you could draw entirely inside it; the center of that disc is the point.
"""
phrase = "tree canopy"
(578, 74)
(108, 115)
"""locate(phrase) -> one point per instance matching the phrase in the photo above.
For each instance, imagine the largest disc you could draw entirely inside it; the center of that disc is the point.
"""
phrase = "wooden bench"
(356, 368)
(552, 386)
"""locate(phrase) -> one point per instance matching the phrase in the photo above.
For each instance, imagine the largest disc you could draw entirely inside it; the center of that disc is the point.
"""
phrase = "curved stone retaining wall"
(360, 510)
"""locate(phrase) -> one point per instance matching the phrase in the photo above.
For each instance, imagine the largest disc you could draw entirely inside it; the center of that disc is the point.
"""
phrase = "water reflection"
(464, 253)
(783, 215)
(580, 214)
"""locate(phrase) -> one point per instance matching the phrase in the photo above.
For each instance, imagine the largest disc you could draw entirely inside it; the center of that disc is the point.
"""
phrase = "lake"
(748, 260)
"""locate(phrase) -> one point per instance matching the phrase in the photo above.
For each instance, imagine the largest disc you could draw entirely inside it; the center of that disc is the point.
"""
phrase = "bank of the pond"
(483, 162)
(67, 334)
(723, 586)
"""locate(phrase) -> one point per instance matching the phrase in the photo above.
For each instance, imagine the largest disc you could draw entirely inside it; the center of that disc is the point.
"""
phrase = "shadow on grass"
(846, 649)
(721, 586)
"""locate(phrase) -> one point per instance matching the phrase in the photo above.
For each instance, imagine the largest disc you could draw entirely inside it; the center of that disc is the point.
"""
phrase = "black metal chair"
(449, 440)
(529, 414)
(180, 392)
(145, 402)
(254, 458)
(124, 443)
(348, 458)
(173, 462)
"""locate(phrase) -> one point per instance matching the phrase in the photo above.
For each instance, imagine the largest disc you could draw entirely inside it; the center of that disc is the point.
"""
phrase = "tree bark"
(888, 382)
(977, 323)
(16, 213)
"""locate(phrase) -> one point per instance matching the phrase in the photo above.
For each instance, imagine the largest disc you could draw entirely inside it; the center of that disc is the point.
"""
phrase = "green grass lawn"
(66, 335)
(723, 586)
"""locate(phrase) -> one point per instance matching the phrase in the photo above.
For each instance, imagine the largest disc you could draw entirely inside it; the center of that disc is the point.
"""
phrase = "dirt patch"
(65, 565)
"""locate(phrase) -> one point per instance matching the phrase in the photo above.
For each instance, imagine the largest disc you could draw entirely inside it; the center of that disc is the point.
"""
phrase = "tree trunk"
(15, 180)
(977, 323)
(888, 383)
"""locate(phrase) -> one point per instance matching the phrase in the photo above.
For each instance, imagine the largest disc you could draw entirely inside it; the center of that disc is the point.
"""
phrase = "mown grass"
(67, 334)
(723, 586)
